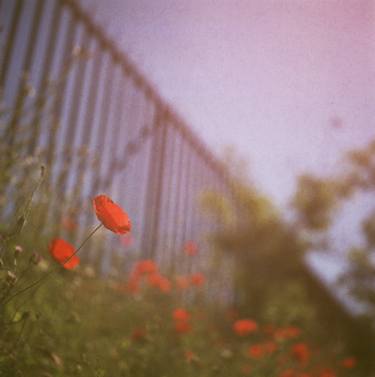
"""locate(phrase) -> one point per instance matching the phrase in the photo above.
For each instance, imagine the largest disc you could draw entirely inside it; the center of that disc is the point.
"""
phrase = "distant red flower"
(349, 362)
(180, 314)
(197, 279)
(146, 266)
(138, 334)
(182, 327)
(289, 332)
(111, 215)
(191, 248)
(244, 326)
(182, 282)
(259, 350)
(256, 351)
(301, 352)
(158, 281)
(63, 252)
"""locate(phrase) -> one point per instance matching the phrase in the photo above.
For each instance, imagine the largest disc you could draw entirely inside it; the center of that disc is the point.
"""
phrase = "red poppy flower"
(180, 314)
(111, 215)
(197, 279)
(191, 248)
(146, 266)
(158, 281)
(182, 327)
(256, 351)
(244, 326)
(289, 332)
(62, 252)
(301, 352)
(349, 362)
(139, 334)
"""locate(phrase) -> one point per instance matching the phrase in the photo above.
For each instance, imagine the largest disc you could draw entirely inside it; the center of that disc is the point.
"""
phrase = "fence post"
(152, 214)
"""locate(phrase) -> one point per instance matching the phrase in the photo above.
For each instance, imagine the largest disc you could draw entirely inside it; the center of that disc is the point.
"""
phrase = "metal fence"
(72, 98)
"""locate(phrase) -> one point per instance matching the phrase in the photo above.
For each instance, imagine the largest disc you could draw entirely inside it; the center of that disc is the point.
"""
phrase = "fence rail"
(71, 97)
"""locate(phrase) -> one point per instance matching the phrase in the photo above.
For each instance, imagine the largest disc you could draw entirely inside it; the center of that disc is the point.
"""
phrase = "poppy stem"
(83, 242)
(45, 276)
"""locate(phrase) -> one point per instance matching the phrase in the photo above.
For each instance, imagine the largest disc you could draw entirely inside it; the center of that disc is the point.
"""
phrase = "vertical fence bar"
(71, 129)
(87, 123)
(177, 204)
(178, 166)
(12, 35)
(155, 182)
(103, 127)
(46, 69)
(65, 65)
(185, 205)
(10, 133)
(119, 110)
(169, 192)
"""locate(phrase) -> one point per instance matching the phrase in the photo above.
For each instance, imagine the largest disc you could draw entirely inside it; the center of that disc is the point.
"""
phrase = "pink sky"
(264, 76)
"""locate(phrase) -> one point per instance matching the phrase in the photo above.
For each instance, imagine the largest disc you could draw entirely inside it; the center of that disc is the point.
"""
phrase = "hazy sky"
(270, 78)
(267, 77)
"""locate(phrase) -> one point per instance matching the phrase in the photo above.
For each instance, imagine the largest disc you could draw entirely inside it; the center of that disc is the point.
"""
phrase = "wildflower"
(259, 350)
(146, 266)
(256, 351)
(349, 362)
(197, 279)
(181, 320)
(18, 250)
(244, 326)
(182, 327)
(301, 352)
(191, 248)
(111, 215)
(180, 314)
(138, 334)
(285, 333)
(158, 281)
(63, 252)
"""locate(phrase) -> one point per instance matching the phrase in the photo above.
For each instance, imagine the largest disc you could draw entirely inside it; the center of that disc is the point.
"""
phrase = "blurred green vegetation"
(79, 323)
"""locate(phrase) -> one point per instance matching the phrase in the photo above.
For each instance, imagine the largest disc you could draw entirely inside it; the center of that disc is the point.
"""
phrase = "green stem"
(45, 276)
